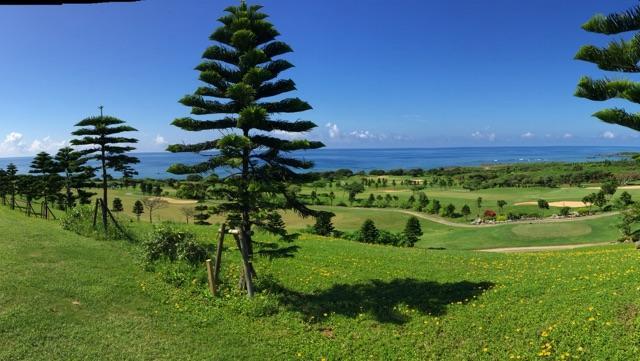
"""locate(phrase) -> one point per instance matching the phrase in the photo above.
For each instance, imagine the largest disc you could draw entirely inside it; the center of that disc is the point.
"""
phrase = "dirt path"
(445, 222)
(543, 248)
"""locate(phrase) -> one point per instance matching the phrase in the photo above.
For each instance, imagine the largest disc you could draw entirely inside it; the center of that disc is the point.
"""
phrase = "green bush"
(169, 242)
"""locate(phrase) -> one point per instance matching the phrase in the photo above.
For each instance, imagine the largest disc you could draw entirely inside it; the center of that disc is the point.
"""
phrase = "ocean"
(154, 165)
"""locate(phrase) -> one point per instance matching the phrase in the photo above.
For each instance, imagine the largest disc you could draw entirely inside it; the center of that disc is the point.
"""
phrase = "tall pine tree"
(619, 56)
(105, 144)
(241, 72)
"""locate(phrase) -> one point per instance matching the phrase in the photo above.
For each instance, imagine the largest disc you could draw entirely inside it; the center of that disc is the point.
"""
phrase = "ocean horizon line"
(395, 148)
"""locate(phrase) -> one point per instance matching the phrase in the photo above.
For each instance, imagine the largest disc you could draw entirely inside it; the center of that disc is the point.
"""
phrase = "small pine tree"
(50, 182)
(117, 205)
(202, 215)
(466, 211)
(412, 231)
(12, 180)
(368, 232)
(138, 209)
(501, 205)
(324, 225)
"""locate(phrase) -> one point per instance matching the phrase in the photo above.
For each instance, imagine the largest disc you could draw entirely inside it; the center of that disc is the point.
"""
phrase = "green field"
(69, 297)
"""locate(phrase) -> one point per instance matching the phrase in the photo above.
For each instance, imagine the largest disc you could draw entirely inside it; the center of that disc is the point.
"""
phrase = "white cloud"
(480, 135)
(160, 140)
(528, 135)
(14, 145)
(567, 136)
(334, 131)
(362, 134)
(608, 135)
(45, 144)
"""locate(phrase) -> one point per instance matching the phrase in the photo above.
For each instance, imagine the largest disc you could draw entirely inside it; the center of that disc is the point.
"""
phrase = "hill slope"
(64, 296)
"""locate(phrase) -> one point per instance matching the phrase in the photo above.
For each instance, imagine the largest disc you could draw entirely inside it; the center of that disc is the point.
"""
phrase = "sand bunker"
(560, 204)
(176, 201)
(621, 187)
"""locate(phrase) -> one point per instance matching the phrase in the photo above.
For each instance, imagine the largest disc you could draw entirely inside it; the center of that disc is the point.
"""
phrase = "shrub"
(501, 218)
(565, 211)
(389, 238)
(169, 242)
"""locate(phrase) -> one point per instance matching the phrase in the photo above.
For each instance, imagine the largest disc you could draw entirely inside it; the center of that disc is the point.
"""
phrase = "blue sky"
(417, 73)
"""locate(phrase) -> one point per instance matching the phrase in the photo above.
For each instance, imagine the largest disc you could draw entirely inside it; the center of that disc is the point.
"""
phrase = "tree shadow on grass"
(275, 250)
(380, 298)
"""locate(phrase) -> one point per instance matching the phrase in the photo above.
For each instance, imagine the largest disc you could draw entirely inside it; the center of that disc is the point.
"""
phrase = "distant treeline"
(513, 175)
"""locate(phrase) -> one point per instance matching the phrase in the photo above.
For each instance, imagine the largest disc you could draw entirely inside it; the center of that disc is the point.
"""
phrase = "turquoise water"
(154, 165)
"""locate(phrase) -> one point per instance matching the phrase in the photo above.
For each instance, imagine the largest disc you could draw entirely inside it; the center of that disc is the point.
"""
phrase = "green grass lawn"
(67, 297)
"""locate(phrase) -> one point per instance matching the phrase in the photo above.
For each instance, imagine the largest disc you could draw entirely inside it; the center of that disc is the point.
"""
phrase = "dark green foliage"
(49, 182)
(11, 183)
(626, 199)
(117, 205)
(101, 137)
(76, 176)
(619, 56)
(543, 204)
(628, 225)
(368, 232)
(435, 207)
(173, 244)
(412, 231)
(600, 200)
(202, 215)
(323, 225)
(565, 211)
(138, 209)
(501, 204)
(479, 202)
(610, 187)
(353, 189)
(449, 210)
(466, 210)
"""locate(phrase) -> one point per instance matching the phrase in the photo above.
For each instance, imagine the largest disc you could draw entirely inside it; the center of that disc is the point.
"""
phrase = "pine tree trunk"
(104, 188)
(246, 247)
(246, 262)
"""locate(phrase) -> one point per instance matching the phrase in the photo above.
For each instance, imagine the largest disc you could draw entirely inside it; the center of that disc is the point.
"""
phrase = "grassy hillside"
(68, 297)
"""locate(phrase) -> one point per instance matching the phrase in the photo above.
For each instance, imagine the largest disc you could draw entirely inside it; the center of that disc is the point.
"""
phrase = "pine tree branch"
(605, 89)
(618, 56)
(193, 125)
(619, 117)
(614, 23)
(290, 105)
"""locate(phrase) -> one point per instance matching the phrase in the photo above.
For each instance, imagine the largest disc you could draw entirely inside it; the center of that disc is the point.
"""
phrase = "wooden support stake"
(95, 213)
(246, 263)
(210, 275)
(218, 260)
